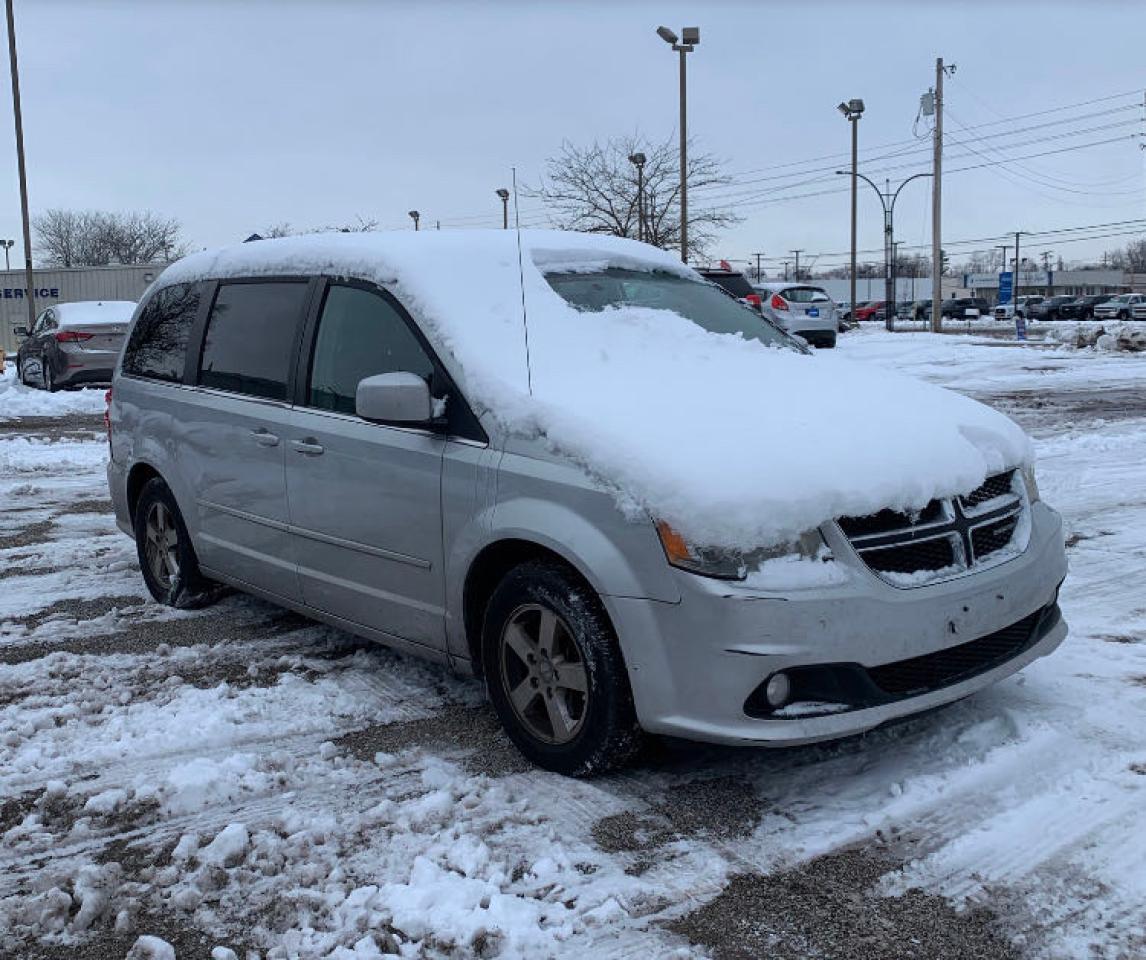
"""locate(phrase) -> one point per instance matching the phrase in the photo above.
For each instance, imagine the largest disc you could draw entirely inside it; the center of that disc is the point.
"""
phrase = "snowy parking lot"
(244, 781)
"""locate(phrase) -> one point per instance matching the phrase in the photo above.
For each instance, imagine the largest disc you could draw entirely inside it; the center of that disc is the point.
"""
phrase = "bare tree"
(93, 238)
(595, 189)
(277, 230)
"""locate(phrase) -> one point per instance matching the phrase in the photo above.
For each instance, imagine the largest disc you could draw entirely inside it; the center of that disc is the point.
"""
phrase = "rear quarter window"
(157, 348)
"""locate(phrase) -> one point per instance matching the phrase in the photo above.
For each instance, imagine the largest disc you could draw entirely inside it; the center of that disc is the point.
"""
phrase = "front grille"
(945, 667)
(935, 554)
(946, 537)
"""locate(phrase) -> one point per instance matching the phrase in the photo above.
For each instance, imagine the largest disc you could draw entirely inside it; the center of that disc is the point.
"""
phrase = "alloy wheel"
(162, 546)
(543, 674)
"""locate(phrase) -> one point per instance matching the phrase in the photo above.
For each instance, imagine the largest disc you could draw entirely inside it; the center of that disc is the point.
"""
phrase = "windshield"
(701, 303)
(803, 294)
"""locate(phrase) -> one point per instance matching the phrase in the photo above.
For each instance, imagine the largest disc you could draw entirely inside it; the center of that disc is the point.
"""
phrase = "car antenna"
(521, 280)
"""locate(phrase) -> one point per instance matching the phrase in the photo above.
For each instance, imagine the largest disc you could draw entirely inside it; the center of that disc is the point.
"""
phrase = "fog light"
(777, 690)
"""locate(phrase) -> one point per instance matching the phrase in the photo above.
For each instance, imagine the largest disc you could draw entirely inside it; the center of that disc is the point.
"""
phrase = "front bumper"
(694, 664)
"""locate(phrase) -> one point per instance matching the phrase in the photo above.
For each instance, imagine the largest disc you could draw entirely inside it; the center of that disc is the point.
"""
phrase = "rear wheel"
(555, 672)
(49, 377)
(166, 557)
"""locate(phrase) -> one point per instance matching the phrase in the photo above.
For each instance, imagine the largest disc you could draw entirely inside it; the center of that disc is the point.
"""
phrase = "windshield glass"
(701, 303)
(803, 294)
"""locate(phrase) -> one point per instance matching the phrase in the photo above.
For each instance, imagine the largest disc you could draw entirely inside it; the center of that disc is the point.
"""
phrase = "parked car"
(1053, 308)
(1118, 307)
(1138, 310)
(73, 343)
(959, 308)
(735, 283)
(1006, 311)
(872, 310)
(598, 519)
(802, 309)
(1084, 306)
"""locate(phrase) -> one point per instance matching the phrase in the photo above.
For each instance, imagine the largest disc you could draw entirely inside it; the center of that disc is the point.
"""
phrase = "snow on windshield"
(735, 442)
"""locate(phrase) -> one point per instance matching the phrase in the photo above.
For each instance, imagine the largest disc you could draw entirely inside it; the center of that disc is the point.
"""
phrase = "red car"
(869, 310)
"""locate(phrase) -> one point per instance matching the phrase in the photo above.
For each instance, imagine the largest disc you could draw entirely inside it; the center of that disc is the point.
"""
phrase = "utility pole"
(797, 254)
(937, 206)
(1046, 255)
(758, 256)
(1015, 280)
(30, 293)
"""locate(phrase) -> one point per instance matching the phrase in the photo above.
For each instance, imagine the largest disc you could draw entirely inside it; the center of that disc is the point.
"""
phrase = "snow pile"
(95, 313)
(734, 443)
(16, 400)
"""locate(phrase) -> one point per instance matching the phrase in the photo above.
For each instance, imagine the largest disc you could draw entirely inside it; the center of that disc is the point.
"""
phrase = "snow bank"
(734, 443)
(16, 400)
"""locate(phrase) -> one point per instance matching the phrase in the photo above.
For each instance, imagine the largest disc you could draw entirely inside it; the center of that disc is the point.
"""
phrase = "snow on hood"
(734, 443)
(94, 313)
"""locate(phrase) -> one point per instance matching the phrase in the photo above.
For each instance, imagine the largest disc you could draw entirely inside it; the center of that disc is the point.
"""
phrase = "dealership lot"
(241, 777)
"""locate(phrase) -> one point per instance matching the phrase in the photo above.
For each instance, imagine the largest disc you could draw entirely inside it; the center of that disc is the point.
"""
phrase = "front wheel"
(49, 377)
(166, 556)
(555, 672)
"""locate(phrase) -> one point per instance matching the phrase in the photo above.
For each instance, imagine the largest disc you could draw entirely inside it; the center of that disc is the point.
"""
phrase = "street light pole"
(30, 292)
(887, 201)
(415, 216)
(638, 161)
(690, 37)
(7, 245)
(504, 194)
(853, 110)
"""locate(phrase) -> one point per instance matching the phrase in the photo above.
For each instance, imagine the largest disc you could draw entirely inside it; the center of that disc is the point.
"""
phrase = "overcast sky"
(235, 116)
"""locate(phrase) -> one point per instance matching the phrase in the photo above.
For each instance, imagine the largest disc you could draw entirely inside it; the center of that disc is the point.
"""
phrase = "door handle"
(264, 438)
(308, 446)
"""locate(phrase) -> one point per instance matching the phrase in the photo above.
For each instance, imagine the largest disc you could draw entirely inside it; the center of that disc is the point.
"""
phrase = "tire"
(1123, 315)
(172, 575)
(826, 342)
(596, 729)
(48, 377)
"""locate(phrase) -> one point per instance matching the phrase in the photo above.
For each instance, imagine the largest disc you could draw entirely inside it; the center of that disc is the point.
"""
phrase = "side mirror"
(20, 331)
(394, 398)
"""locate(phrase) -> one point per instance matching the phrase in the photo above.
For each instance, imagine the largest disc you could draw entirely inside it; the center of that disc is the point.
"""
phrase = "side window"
(158, 344)
(250, 337)
(360, 334)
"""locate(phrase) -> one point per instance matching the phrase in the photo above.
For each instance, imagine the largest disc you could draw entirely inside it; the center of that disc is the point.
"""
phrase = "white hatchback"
(802, 309)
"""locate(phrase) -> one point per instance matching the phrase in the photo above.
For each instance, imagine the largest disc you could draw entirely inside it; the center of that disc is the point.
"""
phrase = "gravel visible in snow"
(238, 779)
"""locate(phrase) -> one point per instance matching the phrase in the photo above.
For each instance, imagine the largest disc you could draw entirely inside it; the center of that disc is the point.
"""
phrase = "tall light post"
(638, 161)
(415, 216)
(504, 194)
(887, 201)
(30, 292)
(853, 110)
(690, 37)
(7, 245)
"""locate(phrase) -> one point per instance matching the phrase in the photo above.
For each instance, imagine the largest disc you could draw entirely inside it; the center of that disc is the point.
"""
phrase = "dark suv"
(958, 307)
(1053, 308)
(734, 283)
(1084, 306)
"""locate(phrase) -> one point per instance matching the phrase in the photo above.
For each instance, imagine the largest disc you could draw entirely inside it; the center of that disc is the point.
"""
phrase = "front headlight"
(1030, 483)
(730, 564)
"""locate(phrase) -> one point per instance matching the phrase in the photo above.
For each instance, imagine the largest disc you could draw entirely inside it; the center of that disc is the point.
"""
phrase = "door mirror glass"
(20, 331)
(394, 398)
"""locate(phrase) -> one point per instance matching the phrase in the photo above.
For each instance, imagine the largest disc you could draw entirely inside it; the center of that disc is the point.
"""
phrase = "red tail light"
(107, 414)
(778, 302)
(754, 299)
(72, 336)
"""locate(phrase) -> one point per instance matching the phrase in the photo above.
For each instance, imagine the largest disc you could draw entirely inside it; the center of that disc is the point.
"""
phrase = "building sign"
(1029, 278)
(1006, 286)
(18, 293)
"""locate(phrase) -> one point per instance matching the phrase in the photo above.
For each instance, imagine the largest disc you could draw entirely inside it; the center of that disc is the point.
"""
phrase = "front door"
(365, 498)
(234, 439)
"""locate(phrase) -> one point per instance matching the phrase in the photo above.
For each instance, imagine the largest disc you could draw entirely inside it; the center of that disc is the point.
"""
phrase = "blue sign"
(1006, 286)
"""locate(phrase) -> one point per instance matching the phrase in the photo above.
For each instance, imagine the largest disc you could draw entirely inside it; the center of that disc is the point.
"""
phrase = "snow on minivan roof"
(90, 313)
(735, 443)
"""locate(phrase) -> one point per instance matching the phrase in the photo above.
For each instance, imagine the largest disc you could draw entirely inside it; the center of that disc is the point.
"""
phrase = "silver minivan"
(325, 423)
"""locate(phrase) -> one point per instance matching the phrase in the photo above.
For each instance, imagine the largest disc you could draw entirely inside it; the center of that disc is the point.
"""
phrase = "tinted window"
(158, 344)
(698, 302)
(250, 338)
(360, 334)
(735, 283)
(803, 294)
